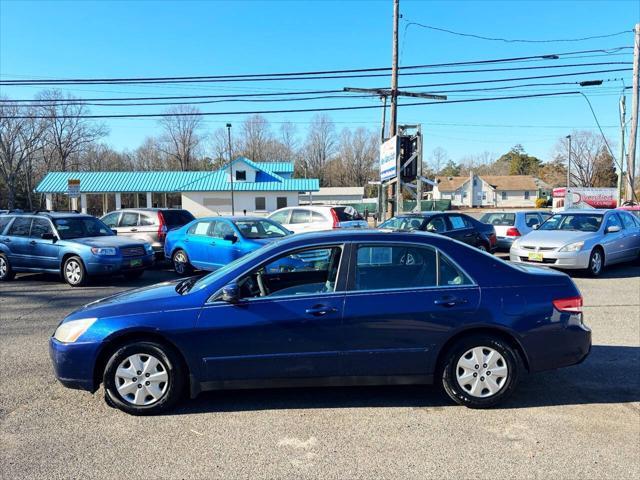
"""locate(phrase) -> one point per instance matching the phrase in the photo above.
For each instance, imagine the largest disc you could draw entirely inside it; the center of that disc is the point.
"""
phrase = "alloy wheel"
(3, 267)
(596, 262)
(73, 271)
(141, 379)
(180, 262)
(482, 248)
(482, 372)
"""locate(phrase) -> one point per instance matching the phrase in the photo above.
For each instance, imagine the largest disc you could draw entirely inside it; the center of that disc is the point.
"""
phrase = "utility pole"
(631, 159)
(233, 212)
(623, 121)
(568, 198)
(393, 128)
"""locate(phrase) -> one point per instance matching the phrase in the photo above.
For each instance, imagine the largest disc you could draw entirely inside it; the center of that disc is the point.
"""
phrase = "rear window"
(177, 218)
(347, 214)
(499, 219)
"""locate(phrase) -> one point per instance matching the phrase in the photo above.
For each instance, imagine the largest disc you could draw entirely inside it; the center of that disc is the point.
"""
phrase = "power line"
(301, 110)
(264, 79)
(508, 40)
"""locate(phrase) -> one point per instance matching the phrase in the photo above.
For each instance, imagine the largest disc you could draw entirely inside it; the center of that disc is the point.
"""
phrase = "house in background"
(258, 188)
(490, 190)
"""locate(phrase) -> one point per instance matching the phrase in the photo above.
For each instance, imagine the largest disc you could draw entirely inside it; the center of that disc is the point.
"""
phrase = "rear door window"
(4, 221)
(317, 217)
(200, 228)
(457, 222)
(627, 219)
(129, 219)
(300, 216)
(20, 227)
(147, 221)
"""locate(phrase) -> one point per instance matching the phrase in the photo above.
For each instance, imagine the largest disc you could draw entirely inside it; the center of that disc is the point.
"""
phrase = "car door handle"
(320, 310)
(32, 242)
(134, 229)
(450, 301)
(468, 235)
(6, 240)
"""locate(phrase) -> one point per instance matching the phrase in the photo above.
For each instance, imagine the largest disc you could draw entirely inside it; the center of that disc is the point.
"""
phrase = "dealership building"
(257, 187)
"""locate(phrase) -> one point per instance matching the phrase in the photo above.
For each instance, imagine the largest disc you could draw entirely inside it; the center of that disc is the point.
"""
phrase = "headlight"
(148, 248)
(103, 251)
(516, 243)
(69, 332)
(572, 247)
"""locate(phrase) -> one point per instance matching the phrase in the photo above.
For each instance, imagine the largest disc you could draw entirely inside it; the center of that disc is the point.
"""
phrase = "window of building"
(281, 202)
(464, 195)
(526, 195)
(484, 195)
(241, 175)
(503, 194)
(261, 204)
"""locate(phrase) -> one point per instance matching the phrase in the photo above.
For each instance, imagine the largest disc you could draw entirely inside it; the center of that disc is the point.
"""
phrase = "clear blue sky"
(171, 38)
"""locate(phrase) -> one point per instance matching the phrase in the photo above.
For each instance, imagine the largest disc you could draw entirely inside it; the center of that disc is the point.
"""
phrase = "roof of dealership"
(270, 176)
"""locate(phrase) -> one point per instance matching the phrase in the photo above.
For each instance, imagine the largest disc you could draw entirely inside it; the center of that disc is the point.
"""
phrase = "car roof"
(232, 218)
(574, 211)
(51, 215)
(358, 234)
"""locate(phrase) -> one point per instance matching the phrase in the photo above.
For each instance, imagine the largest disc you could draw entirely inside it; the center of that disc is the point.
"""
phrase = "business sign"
(388, 158)
(584, 197)
(73, 188)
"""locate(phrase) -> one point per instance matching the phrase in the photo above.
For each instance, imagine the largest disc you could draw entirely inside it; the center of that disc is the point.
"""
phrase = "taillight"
(493, 239)
(571, 304)
(162, 228)
(334, 216)
(513, 232)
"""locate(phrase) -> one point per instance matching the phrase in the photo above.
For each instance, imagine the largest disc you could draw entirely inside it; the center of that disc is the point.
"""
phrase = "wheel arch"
(115, 342)
(494, 331)
(604, 254)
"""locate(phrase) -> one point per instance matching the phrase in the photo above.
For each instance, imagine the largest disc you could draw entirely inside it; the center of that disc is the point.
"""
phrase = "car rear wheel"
(73, 272)
(6, 272)
(181, 263)
(143, 378)
(482, 248)
(480, 371)
(596, 262)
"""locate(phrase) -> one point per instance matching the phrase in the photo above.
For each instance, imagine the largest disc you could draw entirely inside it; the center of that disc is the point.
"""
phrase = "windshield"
(581, 222)
(257, 229)
(403, 223)
(81, 227)
(499, 219)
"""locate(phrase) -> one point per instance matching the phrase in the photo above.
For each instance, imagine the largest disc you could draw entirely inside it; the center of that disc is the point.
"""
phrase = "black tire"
(482, 247)
(464, 395)
(134, 275)
(6, 272)
(182, 268)
(596, 267)
(73, 272)
(172, 390)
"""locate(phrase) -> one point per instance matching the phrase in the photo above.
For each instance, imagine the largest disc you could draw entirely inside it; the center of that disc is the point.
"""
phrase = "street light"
(233, 212)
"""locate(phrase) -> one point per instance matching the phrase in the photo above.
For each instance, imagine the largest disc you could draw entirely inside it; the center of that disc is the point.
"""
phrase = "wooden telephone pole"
(631, 156)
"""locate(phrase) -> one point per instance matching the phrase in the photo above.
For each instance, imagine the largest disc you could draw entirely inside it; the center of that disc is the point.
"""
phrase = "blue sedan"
(381, 308)
(212, 242)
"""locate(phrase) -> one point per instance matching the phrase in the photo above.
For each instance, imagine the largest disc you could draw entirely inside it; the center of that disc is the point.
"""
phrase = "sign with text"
(73, 188)
(388, 154)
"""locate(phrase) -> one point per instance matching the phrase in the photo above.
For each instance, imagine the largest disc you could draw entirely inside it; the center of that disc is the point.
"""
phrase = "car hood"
(155, 298)
(555, 238)
(106, 241)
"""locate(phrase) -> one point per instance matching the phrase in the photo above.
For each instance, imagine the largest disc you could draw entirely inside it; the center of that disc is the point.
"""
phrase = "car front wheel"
(6, 272)
(480, 371)
(143, 378)
(596, 262)
(74, 272)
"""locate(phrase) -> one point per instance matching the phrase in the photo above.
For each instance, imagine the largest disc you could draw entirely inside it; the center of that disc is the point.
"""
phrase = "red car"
(631, 207)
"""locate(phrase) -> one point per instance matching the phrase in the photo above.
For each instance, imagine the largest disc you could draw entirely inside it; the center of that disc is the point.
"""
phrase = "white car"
(315, 218)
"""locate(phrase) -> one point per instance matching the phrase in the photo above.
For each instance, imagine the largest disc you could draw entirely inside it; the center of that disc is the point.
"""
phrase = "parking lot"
(579, 422)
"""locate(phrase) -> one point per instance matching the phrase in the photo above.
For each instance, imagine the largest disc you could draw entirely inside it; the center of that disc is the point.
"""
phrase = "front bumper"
(73, 363)
(117, 264)
(552, 258)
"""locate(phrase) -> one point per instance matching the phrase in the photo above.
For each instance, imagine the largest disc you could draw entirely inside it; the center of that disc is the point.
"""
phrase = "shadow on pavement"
(606, 376)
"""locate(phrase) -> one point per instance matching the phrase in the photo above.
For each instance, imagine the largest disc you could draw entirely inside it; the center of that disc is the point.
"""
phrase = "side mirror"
(48, 236)
(613, 229)
(230, 293)
(230, 238)
(115, 232)
(535, 226)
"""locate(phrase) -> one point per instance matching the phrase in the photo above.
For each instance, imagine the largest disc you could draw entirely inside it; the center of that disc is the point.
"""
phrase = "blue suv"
(74, 245)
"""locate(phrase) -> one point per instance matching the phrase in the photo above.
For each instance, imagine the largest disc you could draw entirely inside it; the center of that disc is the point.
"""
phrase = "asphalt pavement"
(579, 422)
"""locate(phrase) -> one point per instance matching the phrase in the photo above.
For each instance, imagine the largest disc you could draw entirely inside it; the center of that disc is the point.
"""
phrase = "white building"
(335, 196)
(258, 188)
(490, 190)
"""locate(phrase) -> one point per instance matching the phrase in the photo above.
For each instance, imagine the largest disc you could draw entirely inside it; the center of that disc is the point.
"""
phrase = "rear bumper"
(558, 347)
(504, 243)
(105, 266)
(73, 364)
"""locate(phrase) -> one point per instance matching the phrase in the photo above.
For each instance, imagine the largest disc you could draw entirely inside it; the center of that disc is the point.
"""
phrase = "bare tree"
(439, 157)
(257, 139)
(589, 158)
(19, 141)
(66, 132)
(288, 141)
(358, 152)
(319, 148)
(181, 135)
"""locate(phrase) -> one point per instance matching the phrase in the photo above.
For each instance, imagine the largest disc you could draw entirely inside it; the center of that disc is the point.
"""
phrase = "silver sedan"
(588, 240)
